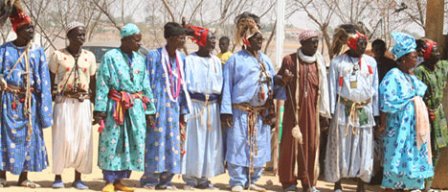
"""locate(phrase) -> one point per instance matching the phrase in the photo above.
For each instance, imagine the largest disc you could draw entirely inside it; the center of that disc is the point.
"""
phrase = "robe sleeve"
(375, 103)
(53, 64)
(93, 66)
(420, 74)
(184, 109)
(287, 64)
(391, 98)
(333, 84)
(279, 90)
(102, 86)
(43, 85)
(150, 107)
(324, 105)
(226, 102)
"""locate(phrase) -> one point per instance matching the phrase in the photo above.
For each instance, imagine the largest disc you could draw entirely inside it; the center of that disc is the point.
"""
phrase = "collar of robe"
(306, 58)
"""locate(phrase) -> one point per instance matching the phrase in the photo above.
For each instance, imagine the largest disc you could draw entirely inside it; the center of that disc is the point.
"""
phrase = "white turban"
(73, 25)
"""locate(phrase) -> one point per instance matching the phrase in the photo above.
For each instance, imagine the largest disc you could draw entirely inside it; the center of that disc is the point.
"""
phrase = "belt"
(123, 102)
(253, 113)
(17, 90)
(204, 97)
(78, 95)
(353, 113)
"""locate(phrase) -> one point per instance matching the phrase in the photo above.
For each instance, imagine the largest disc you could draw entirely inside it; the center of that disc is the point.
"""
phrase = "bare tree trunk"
(270, 38)
(168, 8)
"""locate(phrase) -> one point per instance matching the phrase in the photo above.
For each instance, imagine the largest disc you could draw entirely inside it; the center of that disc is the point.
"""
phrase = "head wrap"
(72, 25)
(404, 44)
(172, 29)
(246, 27)
(352, 41)
(199, 34)
(129, 30)
(19, 19)
(427, 49)
(308, 34)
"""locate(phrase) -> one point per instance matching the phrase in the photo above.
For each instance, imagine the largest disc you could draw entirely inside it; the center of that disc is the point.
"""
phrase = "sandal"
(3, 183)
(29, 184)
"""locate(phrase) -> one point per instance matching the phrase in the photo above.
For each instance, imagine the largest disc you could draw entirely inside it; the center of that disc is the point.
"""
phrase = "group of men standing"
(166, 113)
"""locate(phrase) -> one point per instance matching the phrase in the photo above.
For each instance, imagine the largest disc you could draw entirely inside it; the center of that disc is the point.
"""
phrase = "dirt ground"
(95, 181)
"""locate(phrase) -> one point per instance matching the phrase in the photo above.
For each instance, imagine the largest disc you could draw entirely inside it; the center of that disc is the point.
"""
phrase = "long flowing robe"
(313, 78)
(436, 82)
(163, 142)
(204, 147)
(242, 85)
(349, 151)
(405, 166)
(17, 154)
(122, 147)
(72, 129)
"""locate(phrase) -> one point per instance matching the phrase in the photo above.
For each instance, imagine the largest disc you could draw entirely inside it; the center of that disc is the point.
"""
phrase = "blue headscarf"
(129, 30)
(404, 44)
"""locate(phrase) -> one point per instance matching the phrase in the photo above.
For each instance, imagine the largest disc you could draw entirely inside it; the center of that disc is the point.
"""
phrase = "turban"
(19, 19)
(73, 25)
(129, 30)
(427, 51)
(352, 41)
(172, 29)
(199, 34)
(308, 34)
(404, 44)
(246, 27)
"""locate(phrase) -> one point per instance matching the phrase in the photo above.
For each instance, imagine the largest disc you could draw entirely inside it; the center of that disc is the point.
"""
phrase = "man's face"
(26, 32)
(77, 36)
(309, 46)
(211, 42)
(378, 50)
(435, 55)
(361, 46)
(256, 42)
(134, 42)
(177, 41)
(224, 45)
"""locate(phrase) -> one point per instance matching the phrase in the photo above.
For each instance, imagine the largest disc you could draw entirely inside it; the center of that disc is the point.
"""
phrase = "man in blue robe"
(25, 104)
(163, 140)
(246, 108)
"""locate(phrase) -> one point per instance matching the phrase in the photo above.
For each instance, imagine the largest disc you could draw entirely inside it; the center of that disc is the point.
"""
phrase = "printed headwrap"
(129, 30)
(404, 44)
(246, 28)
(308, 34)
(19, 19)
(352, 41)
(72, 25)
(427, 51)
(199, 35)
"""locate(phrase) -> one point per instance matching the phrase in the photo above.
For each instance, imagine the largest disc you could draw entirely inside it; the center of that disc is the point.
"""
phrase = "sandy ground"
(95, 182)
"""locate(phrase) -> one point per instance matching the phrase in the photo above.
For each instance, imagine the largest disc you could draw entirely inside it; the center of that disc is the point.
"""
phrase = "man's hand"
(182, 120)
(3, 83)
(380, 130)
(98, 116)
(287, 76)
(150, 121)
(226, 120)
(324, 123)
(432, 115)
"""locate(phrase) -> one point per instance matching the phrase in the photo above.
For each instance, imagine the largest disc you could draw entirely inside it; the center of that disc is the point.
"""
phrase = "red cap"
(200, 35)
(19, 19)
(428, 48)
(352, 41)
